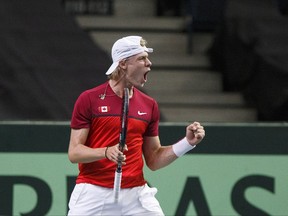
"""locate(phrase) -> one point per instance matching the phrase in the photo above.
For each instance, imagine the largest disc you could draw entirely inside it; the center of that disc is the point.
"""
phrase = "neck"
(118, 88)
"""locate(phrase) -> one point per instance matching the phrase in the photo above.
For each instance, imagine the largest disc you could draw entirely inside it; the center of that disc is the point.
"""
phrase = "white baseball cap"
(124, 48)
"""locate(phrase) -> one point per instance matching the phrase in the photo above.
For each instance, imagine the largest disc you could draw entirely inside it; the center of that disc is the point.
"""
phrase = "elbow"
(152, 166)
(73, 161)
(72, 158)
(152, 162)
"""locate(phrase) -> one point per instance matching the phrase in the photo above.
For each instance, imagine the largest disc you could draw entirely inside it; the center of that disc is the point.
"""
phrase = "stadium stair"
(183, 84)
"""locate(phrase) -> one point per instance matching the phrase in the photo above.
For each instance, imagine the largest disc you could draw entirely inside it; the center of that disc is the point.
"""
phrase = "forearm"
(83, 154)
(161, 158)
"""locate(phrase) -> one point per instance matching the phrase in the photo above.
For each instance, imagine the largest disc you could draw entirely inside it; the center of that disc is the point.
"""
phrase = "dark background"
(46, 60)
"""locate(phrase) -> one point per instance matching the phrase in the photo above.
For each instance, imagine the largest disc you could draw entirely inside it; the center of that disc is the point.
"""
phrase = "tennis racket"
(122, 141)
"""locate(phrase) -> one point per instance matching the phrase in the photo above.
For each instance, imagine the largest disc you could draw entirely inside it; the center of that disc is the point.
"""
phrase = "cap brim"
(149, 50)
(112, 68)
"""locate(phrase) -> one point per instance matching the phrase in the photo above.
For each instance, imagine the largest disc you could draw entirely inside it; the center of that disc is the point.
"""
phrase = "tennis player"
(95, 127)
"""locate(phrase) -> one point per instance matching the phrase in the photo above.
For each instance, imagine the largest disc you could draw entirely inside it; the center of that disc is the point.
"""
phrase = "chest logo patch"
(104, 109)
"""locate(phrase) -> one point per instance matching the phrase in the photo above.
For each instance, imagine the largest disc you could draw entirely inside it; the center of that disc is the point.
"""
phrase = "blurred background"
(213, 61)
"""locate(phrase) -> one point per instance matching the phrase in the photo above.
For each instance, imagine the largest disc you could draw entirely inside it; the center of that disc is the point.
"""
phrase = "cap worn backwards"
(124, 48)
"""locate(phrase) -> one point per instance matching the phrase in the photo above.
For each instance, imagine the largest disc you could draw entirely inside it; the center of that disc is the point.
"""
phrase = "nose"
(148, 63)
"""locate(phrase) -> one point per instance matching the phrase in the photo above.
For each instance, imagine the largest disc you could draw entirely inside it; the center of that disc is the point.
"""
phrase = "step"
(184, 62)
(216, 99)
(126, 23)
(135, 8)
(162, 81)
(106, 30)
(170, 49)
(201, 42)
(207, 114)
(162, 43)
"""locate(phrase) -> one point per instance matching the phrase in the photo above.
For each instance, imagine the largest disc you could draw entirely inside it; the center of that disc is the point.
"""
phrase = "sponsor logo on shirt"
(141, 113)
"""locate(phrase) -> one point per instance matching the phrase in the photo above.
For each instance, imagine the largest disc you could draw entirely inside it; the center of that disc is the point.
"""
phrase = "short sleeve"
(82, 114)
(153, 127)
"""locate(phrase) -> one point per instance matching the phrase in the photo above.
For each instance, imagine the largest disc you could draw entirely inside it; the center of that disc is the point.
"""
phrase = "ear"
(123, 64)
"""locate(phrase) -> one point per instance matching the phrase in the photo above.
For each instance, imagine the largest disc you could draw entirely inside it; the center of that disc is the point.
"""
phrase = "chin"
(142, 84)
(139, 85)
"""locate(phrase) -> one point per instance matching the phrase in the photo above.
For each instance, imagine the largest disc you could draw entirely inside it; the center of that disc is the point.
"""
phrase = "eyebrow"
(144, 55)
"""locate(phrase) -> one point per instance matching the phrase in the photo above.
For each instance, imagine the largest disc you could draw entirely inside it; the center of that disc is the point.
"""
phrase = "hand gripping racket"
(122, 141)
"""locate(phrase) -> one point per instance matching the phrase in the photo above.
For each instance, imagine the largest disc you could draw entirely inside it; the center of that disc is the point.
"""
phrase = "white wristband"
(181, 147)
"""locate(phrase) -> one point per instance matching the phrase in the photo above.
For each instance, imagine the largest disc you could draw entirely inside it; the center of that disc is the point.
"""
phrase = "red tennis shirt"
(102, 116)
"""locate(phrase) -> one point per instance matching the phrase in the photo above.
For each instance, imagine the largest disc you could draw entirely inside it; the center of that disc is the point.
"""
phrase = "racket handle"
(117, 185)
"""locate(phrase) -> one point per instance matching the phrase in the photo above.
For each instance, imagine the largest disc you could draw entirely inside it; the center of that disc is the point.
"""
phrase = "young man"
(95, 127)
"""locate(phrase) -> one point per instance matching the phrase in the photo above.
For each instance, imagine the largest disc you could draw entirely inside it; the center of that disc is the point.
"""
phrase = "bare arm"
(78, 152)
(157, 156)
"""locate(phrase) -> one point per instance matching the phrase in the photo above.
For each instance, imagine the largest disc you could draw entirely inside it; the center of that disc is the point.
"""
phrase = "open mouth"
(146, 76)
